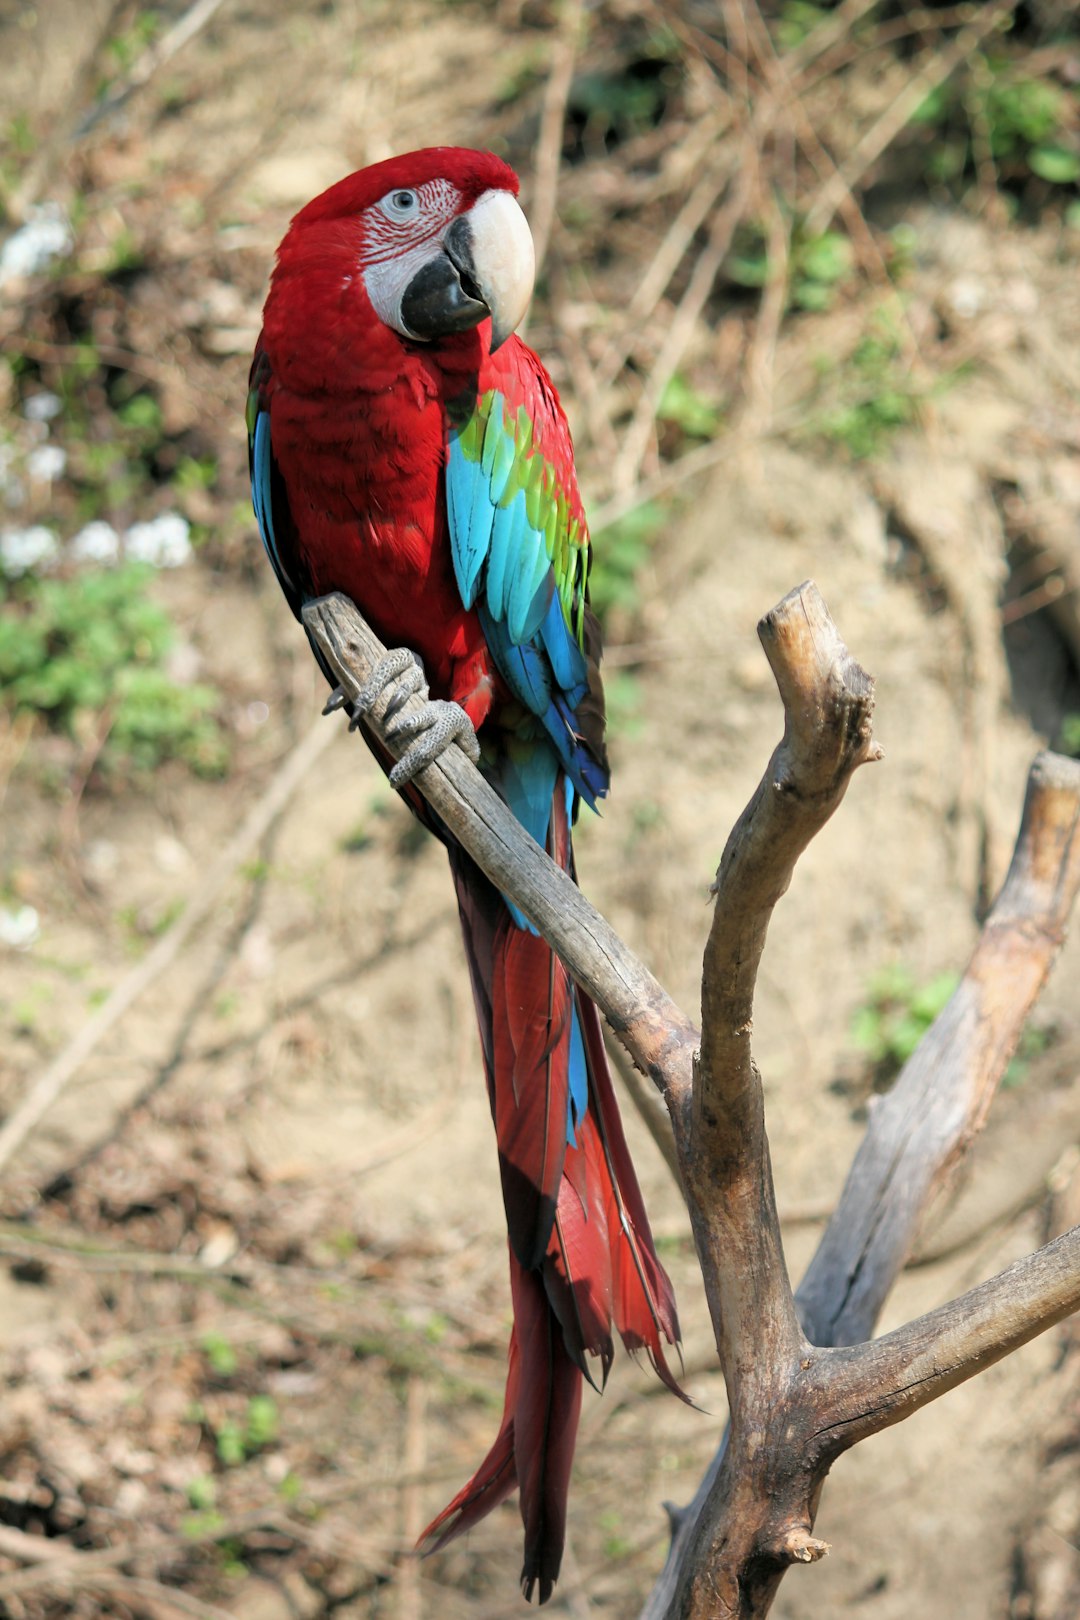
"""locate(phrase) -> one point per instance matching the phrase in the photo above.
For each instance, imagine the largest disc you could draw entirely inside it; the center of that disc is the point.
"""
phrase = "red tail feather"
(581, 1252)
(530, 1026)
(545, 1428)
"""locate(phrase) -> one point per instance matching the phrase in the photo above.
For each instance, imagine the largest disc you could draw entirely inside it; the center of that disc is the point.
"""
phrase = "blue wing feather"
(503, 567)
(262, 499)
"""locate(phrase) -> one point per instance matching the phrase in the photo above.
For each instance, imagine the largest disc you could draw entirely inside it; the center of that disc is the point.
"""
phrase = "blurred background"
(809, 291)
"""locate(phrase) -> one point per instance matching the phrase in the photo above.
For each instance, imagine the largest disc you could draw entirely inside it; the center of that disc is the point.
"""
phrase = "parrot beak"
(502, 259)
(486, 267)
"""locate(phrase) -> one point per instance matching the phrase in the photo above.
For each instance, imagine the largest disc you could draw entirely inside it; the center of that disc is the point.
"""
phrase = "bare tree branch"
(919, 1132)
(794, 1407)
(874, 1385)
(828, 702)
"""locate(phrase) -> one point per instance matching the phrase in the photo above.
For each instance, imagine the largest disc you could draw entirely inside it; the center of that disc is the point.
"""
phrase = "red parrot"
(409, 450)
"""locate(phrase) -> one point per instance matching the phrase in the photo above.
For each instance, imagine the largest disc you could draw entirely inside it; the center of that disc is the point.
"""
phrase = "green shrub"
(895, 1016)
(94, 645)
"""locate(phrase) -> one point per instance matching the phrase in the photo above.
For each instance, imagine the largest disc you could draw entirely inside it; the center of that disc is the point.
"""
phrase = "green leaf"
(1057, 164)
(825, 258)
(682, 404)
(262, 1421)
(230, 1444)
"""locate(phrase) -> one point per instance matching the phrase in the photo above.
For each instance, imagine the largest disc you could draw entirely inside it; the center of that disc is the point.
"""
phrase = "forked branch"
(795, 1406)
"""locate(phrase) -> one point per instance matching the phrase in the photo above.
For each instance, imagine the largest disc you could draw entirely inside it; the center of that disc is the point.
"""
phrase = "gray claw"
(397, 676)
(436, 726)
(336, 700)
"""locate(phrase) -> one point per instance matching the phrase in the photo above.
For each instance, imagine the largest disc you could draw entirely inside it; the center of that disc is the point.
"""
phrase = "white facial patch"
(398, 241)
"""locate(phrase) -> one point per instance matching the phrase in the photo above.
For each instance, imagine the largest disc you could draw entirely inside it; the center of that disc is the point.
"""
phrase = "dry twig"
(552, 119)
(939, 67)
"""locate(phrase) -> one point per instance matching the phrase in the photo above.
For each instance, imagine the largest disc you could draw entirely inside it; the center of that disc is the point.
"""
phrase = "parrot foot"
(439, 724)
(399, 675)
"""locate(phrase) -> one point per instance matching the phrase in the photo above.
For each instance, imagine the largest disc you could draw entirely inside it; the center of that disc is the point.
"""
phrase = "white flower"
(23, 549)
(163, 541)
(42, 407)
(96, 543)
(19, 926)
(46, 463)
(44, 237)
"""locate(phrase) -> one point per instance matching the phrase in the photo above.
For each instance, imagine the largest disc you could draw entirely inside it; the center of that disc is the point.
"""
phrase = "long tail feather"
(545, 1429)
(582, 1256)
(534, 1447)
(531, 1001)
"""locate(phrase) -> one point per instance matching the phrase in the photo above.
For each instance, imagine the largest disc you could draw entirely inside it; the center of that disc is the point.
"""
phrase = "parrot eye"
(400, 204)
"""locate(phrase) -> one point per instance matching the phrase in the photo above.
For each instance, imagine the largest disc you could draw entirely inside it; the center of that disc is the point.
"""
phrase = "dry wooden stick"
(549, 143)
(828, 703)
(878, 1384)
(679, 333)
(937, 70)
(696, 208)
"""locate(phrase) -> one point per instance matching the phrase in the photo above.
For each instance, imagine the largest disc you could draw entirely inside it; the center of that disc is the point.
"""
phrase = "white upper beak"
(504, 259)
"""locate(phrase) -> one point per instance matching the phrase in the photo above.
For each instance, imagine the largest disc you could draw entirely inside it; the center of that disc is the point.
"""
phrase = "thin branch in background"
(667, 477)
(51, 1084)
(674, 246)
(548, 155)
(831, 31)
(761, 361)
(681, 330)
(785, 86)
(935, 72)
(155, 1598)
(155, 56)
(413, 1460)
(1052, 589)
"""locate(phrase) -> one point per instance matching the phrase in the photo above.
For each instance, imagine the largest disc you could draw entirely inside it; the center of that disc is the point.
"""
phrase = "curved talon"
(336, 700)
(439, 724)
(399, 668)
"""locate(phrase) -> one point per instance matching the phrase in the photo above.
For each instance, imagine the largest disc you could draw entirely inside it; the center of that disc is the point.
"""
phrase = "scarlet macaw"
(409, 450)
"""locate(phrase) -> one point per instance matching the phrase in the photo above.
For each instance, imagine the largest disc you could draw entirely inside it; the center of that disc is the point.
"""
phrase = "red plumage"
(352, 418)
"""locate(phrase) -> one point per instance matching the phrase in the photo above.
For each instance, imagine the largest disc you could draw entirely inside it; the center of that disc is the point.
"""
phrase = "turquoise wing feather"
(520, 548)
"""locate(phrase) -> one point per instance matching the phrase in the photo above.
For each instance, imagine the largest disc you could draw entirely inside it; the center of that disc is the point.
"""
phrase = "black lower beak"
(443, 297)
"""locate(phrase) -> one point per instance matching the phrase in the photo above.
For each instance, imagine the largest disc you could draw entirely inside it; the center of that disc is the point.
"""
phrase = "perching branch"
(795, 1407)
(659, 1037)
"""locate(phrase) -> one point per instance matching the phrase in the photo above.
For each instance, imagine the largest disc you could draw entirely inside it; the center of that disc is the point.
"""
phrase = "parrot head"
(436, 239)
